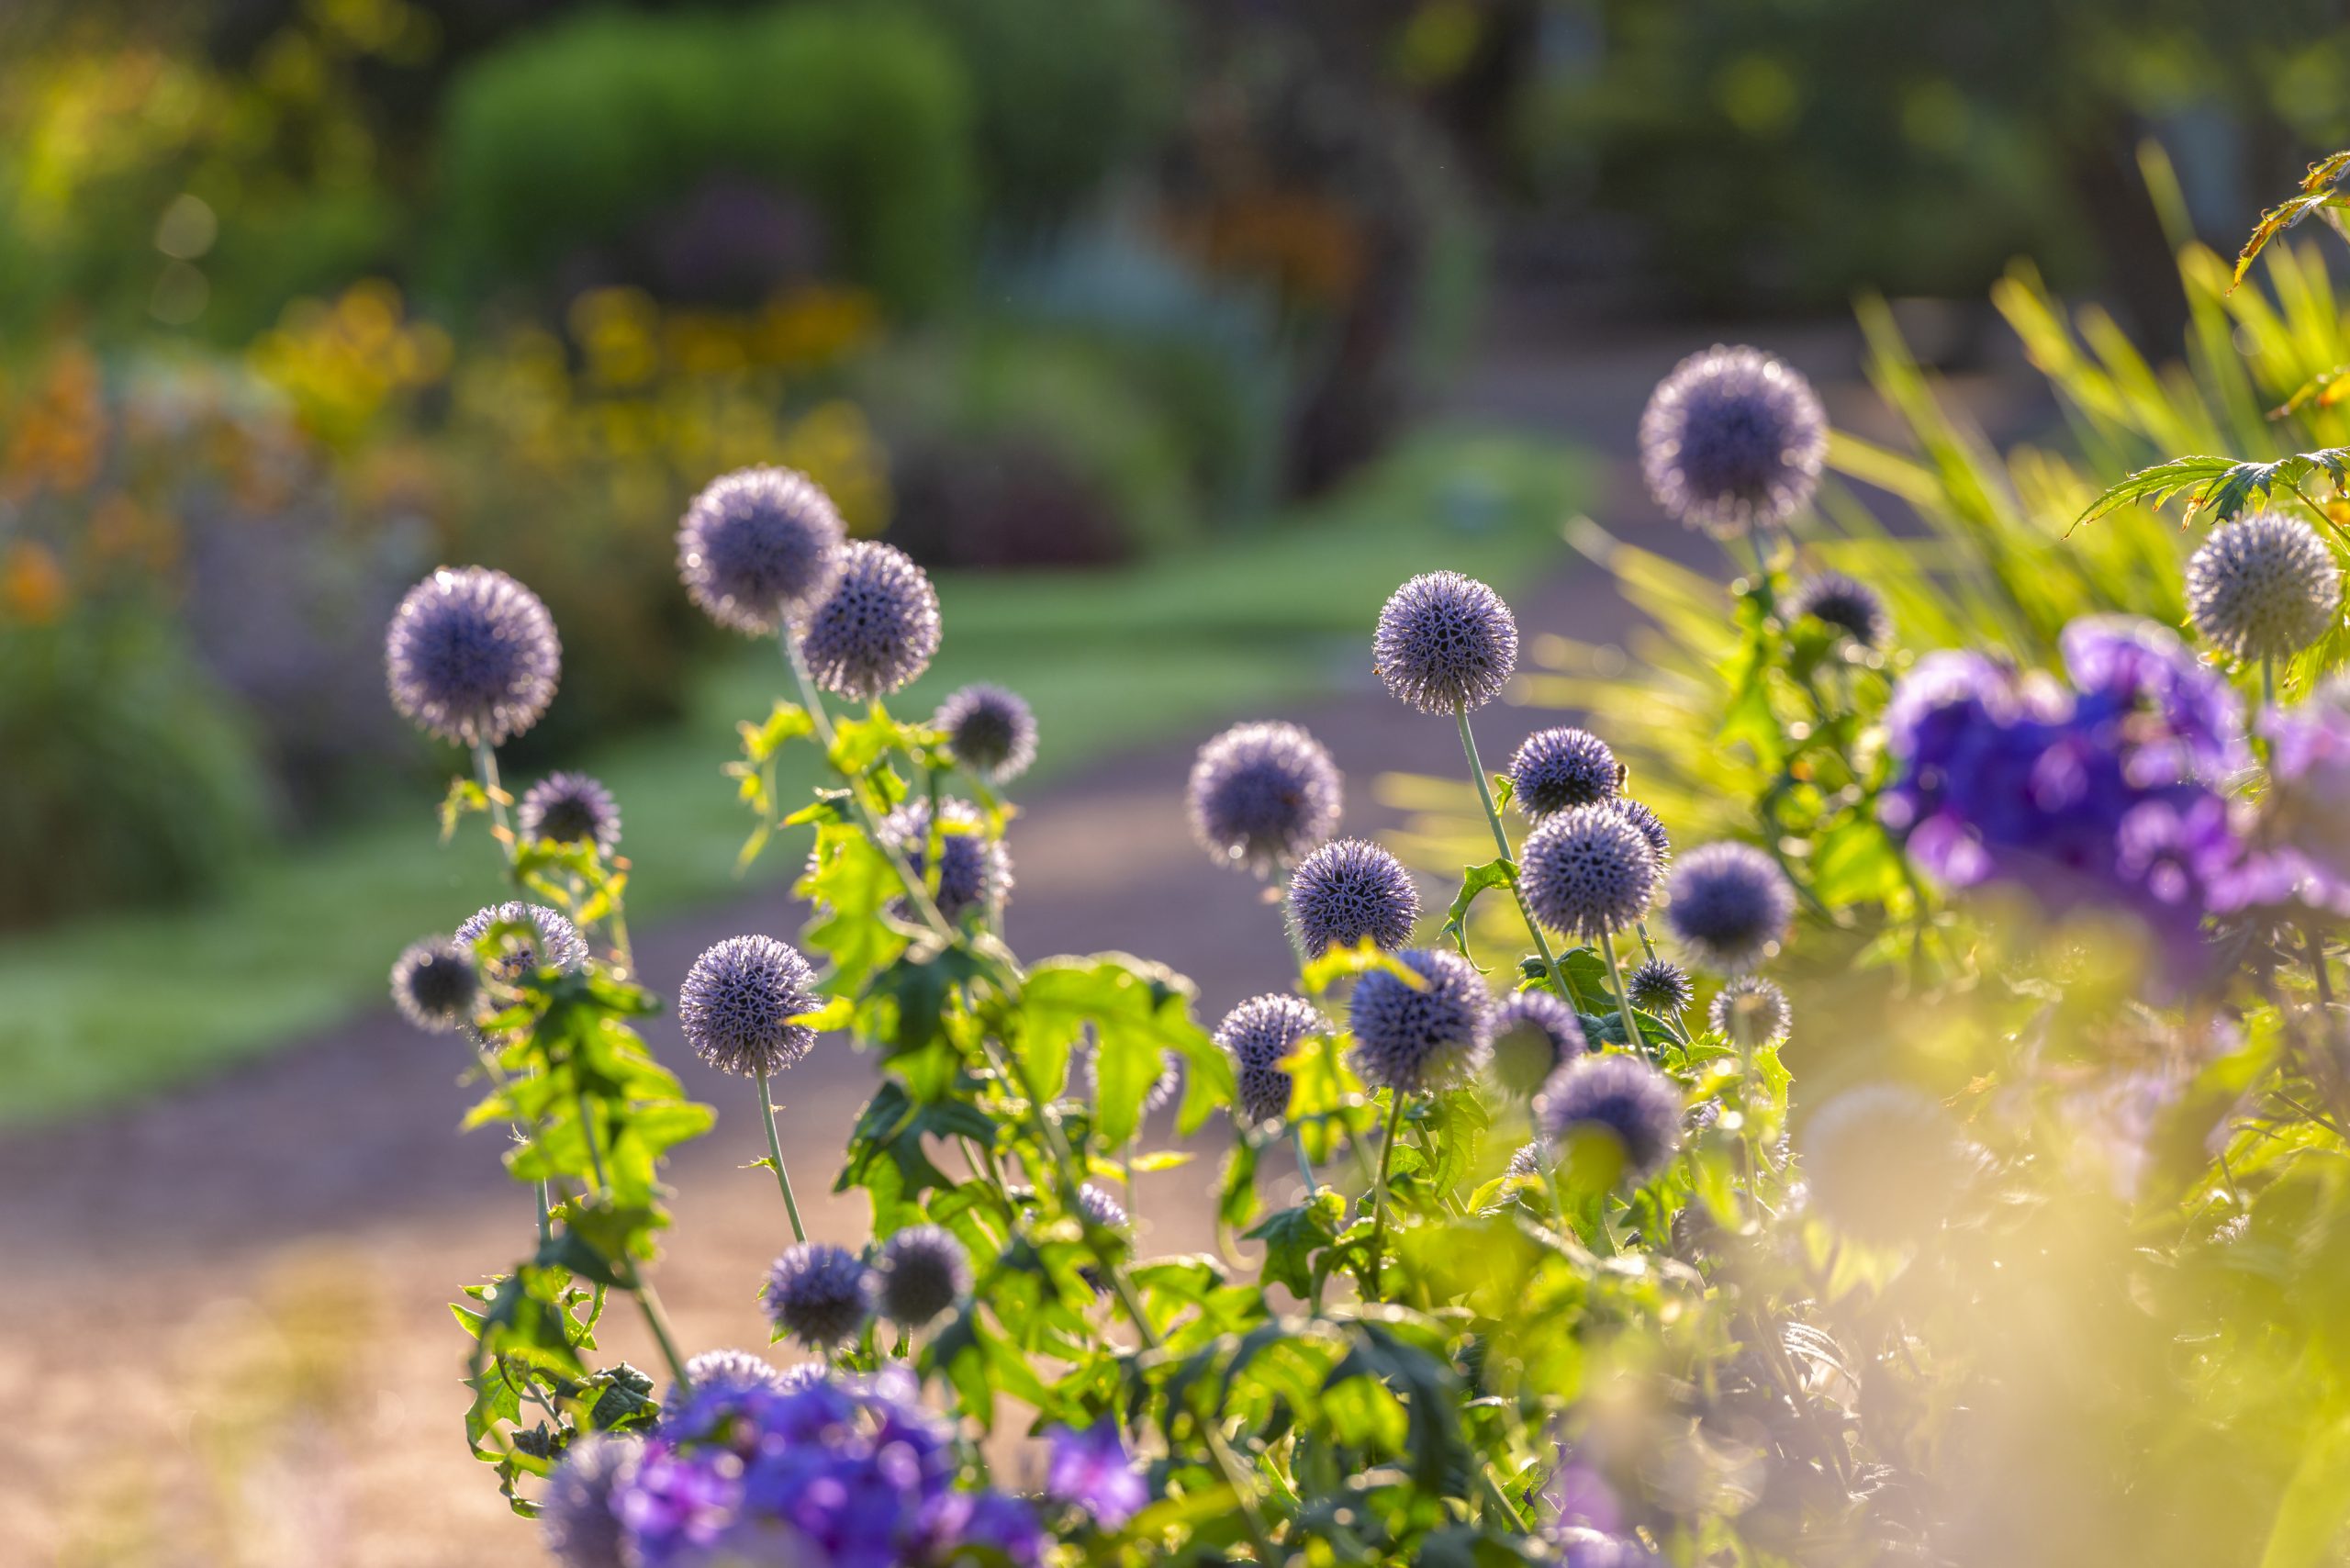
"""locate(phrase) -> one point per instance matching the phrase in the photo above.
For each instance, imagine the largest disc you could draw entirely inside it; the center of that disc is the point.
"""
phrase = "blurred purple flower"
(1090, 1470)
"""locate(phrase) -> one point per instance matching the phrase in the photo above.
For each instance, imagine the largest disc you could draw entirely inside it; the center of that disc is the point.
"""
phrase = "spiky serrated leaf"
(2221, 485)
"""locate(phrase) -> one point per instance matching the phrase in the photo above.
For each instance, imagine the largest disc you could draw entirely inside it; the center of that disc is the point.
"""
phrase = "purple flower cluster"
(852, 1472)
(2106, 794)
(2306, 821)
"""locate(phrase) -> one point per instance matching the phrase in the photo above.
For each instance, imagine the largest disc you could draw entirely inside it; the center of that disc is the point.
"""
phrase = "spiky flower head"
(1752, 1009)
(578, 1523)
(737, 1005)
(1443, 643)
(1729, 904)
(1100, 1207)
(922, 1272)
(990, 731)
(2262, 587)
(472, 656)
(569, 808)
(434, 983)
(1260, 1035)
(1350, 888)
(974, 868)
(1732, 440)
(1622, 1097)
(1651, 828)
(1884, 1161)
(878, 628)
(820, 1294)
(1587, 872)
(560, 946)
(1525, 1161)
(1432, 1036)
(758, 546)
(1263, 794)
(1560, 767)
(1660, 986)
(736, 1371)
(1535, 1034)
(1846, 603)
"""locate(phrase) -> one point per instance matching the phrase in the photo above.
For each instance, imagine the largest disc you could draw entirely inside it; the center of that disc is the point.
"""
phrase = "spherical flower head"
(1560, 767)
(1350, 888)
(1260, 1035)
(472, 656)
(1263, 794)
(1535, 1034)
(578, 1523)
(1884, 1161)
(757, 547)
(1434, 1034)
(1088, 1468)
(560, 946)
(1587, 872)
(1732, 440)
(435, 983)
(569, 808)
(878, 628)
(974, 869)
(1099, 1207)
(1632, 1105)
(1751, 1009)
(1525, 1161)
(1660, 986)
(1445, 642)
(2264, 587)
(739, 1372)
(738, 1005)
(1846, 603)
(1729, 904)
(1651, 826)
(820, 1294)
(990, 731)
(922, 1272)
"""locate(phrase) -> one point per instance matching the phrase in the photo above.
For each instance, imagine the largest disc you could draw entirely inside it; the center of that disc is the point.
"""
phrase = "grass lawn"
(129, 1005)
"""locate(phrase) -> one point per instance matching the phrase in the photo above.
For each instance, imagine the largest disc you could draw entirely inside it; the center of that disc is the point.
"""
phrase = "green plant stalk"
(486, 766)
(497, 1076)
(1305, 1161)
(1623, 998)
(647, 1300)
(1501, 842)
(775, 1152)
(1379, 1185)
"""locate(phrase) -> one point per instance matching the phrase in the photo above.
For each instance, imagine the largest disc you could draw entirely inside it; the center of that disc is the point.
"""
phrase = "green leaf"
(1140, 1014)
(2316, 194)
(1475, 879)
(2316, 1504)
(1296, 1239)
(2221, 485)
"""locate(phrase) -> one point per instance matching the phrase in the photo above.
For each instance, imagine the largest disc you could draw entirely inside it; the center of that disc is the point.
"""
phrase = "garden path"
(225, 1338)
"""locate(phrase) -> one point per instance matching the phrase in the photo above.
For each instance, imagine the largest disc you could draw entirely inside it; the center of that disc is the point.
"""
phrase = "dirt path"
(226, 1339)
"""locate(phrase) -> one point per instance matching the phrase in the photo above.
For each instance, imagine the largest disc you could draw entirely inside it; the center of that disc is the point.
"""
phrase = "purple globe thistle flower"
(576, 1521)
(560, 946)
(472, 656)
(1732, 440)
(1729, 904)
(1525, 1161)
(758, 546)
(1751, 1009)
(1088, 1468)
(1432, 1036)
(1350, 888)
(990, 731)
(1096, 1206)
(2264, 587)
(1882, 1163)
(738, 1005)
(974, 869)
(1651, 826)
(879, 627)
(1535, 1034)
(1260, 1035)
(923, 1272)
(1661, 985)
(737, 1371)
(1846, 603)
(1560, 767)
(820, 1294)
(569, 808)
(1621, 1097)
(434, 984)
(1587, 872)
(1263, 794)
(1445, 642)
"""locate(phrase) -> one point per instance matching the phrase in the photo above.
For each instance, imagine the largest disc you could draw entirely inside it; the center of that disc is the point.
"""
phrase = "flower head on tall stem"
(559, 945)
(973, 867)
(1587, 872)
(569, 808)
(876, 630)
(1729, 905)
(1445, 642)
(1262, 794)
(990, 731)
(1635, 1108)
(739, 1003)
(1260, 1035)
(1848, 605)
(922, 1270)
(1752, 1010)
(1660, 987)
(1535, 1034)
(757, 547)
(472, 656)
(1650, 827)
(578, 1523)
(435, 984)
(2264, 587)
(820, 1294)
(1433, 1035)
(1350, 888)
(1560, 767)
(1733, 440)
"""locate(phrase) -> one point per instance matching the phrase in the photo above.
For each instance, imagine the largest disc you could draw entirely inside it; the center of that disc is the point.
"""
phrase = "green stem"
(1623, 998)
(1501, 842)
(775, 1152)
(486, 765)
(1304, 1160)
(647, 1301)
(522, 1132)
(1379, 1185)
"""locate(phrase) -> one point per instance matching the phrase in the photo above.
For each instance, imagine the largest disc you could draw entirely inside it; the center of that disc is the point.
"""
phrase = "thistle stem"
(486, 765)
(647, 1301)
(775, 1152)
(1501, 842)
(1304, 1160)
(1378, 1186)
(1623, 998)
